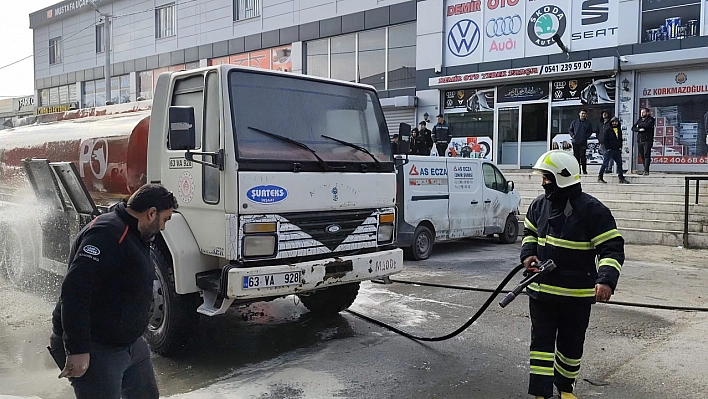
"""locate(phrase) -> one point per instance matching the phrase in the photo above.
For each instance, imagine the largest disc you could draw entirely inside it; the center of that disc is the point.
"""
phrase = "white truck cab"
(441, 199)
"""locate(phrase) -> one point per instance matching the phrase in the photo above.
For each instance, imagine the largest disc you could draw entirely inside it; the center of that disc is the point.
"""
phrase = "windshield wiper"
(322, 162)
(360, 148)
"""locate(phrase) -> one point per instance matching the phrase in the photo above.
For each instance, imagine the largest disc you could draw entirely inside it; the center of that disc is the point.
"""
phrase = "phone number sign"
(515, 73)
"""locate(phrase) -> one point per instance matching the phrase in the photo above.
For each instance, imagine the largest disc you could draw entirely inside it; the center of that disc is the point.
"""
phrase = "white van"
(441, 199)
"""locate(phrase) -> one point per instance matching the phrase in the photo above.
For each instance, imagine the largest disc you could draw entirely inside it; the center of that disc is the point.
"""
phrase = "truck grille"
(328, 229)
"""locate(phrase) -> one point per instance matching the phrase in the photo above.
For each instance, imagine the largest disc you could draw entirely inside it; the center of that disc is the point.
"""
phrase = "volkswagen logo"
(333, 229)
(463, 38)
(504, 26)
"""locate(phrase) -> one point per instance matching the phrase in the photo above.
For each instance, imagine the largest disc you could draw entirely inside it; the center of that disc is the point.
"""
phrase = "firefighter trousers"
(557, 338)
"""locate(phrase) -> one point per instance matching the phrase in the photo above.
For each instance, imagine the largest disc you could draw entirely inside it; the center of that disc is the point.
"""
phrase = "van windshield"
(283, 120)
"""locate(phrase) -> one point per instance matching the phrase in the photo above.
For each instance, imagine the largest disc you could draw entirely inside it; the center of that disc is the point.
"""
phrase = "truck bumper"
(313, 275)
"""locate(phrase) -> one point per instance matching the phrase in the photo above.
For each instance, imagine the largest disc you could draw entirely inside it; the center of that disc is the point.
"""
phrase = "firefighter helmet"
(562, 165)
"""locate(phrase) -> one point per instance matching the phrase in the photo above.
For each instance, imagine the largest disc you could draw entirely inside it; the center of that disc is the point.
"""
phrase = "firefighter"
(579, 234)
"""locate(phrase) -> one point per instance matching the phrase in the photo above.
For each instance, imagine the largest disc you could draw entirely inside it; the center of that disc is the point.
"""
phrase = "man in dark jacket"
(105, 300)
(426, 138)
(580, 131)
(573, 229)
(605, 122)
(611, 137)
(442, 133)
(645, 137)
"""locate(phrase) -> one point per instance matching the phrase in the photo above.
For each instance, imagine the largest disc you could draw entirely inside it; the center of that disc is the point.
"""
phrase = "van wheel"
(511, 230)
(17, 260)
(173, 317)
(423, 241)
(332, 300)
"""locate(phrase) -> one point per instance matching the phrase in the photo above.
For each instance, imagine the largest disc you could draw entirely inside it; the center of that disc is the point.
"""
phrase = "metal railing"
(245, 9)
(687, 194)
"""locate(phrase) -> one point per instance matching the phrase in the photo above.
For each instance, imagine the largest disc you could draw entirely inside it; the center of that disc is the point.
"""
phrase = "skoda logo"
(546, 22)
(504, 26)
(463, 38)
(333, 228)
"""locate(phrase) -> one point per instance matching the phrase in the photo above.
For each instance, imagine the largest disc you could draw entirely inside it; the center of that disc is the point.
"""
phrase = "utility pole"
(106, 50)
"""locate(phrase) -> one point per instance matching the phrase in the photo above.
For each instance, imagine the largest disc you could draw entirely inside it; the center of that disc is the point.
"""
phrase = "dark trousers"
(557, 339)
(608, 158)
(645, 153)
(114, 372)
(580, 153)
(442, 149)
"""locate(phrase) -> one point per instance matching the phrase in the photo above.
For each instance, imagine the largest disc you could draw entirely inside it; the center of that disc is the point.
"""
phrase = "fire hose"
(543, 269)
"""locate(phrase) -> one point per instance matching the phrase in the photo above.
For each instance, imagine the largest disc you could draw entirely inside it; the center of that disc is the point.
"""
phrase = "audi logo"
(504, 26)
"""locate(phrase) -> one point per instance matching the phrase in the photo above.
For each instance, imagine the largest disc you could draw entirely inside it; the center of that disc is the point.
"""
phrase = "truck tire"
(511, 230)
(17, 258)
(332, 300)
(173, 317)
(422, 246)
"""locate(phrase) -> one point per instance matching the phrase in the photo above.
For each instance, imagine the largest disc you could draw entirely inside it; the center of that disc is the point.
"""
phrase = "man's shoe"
(624, 181)
(646, 173)
(601, 180)
(567, 395)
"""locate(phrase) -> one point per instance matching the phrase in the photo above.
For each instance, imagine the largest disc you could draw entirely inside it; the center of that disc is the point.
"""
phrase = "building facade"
(509, 75)
(12, 109)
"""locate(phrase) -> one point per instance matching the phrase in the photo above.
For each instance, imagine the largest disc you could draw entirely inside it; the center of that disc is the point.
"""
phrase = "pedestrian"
(441, 135)
(415, 142)
(573, 229)
(605, 121)
(426, 136)
(645, 137)
(394, 144)
(612, 137)
(580, 131)
(105, 301)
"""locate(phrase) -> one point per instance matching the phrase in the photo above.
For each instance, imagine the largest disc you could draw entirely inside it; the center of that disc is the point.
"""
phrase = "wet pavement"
(278, 350)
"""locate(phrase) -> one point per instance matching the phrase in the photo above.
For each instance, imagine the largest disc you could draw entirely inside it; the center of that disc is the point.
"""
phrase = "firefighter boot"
(567, 395)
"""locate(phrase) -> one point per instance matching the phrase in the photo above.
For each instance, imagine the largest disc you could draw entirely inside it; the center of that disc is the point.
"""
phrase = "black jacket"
(648, 125)
(107, 292)
(573, 232)
(426, 136)
(442, 132)
(417, 145)
(580, 131)
(610, 140)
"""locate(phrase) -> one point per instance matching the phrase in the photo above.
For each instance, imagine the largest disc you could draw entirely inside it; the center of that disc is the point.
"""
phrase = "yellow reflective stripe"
(548, 371)
(569, 362)
(565, 373)
(530, 226)
(542, 356)
(606, 236)
(610, 262)
(579, 245)
(571, 292)
(529, 240)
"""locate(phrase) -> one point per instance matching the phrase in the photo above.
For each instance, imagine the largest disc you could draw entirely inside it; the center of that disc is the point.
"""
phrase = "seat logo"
(463, 38)
(595, 11)
(503, 26)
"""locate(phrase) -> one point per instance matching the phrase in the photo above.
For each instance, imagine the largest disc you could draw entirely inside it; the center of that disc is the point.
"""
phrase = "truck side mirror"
(510, 186)
(404, 138)
(182, 132)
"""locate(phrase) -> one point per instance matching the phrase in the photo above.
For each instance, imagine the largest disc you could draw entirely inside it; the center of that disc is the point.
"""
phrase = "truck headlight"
(258, 246)
(386, 228)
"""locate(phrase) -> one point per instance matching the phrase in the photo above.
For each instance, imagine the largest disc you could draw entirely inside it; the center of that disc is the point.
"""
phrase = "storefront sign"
(470, 147)
(23, 104)
(471, 100)
(57, 108)
(595, 24)
(676, 83)
(566, 68)
(545, 19)
(463, 32)
(525, 92)
(276, 59)
(583, 91)
(62, 10)
(504, 29)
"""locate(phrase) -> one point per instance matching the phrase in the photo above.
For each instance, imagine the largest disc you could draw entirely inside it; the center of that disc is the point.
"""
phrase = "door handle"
(488, 201)
(474, 202)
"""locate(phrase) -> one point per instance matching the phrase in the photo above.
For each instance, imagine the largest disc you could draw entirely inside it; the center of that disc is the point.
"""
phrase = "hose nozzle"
(545, 267)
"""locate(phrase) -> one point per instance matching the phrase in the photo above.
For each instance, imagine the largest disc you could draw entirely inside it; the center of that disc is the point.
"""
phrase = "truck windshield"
(320, 115)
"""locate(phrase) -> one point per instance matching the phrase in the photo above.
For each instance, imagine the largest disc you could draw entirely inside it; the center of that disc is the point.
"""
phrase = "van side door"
(496, 208)
(426, 195)
(466, 209)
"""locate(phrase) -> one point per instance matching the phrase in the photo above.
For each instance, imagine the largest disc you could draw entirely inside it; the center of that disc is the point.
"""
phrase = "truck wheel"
(422, 246)
(173, 317)
(17, 260)
(332, 300)
(511, 230)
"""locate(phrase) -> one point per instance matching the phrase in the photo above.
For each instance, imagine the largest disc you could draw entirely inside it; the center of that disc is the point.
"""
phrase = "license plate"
(271, 280)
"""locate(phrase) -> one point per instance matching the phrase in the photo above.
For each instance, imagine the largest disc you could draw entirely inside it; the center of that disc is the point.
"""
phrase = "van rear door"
(466, 209)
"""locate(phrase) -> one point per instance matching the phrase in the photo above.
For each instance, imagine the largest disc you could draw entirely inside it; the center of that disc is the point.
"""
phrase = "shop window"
(55, 50)
(89, 94)
(246, 9)
(316, 57)
(344, 58)
(100, 95)
(670, 20)
(372, 58)
(63, 94)
(54, 96)
(44, 97)
(471, 120)
(145, 85)
(401, 56)
(165, 21)
(100, 42)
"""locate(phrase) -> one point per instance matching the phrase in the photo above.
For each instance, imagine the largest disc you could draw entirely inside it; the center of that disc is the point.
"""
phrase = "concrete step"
(637, 197)
(618, 206)
(613, 186)
(663, 237)
(654, 178)
(648, 224)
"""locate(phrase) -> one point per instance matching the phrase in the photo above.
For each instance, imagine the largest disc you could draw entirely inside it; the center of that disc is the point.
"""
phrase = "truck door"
(198, 187)
(496, 207)
(465, 209)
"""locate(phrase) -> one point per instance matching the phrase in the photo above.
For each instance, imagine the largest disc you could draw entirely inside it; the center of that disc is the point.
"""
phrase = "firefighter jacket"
(580, 235)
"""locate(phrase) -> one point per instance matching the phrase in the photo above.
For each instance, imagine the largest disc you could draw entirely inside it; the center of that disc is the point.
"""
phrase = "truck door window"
(211, 176)
(189, 92)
